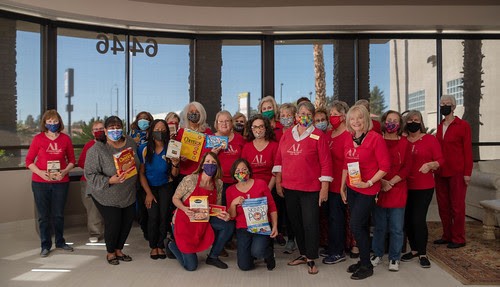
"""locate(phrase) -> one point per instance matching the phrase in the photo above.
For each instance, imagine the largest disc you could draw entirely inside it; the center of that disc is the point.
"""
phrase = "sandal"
(113, 260)
(299, 260)
(161, 254)
(311, 268)
(124, 258)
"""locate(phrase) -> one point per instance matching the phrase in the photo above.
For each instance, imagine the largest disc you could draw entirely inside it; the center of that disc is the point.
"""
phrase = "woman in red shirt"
(269, 109)
(389, 211)
(426, 158)
(251, 245)
(367, 159)
(453, 177)
(50, 188)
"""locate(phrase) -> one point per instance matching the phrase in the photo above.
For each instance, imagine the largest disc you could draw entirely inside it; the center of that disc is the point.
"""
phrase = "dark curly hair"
(269, 135)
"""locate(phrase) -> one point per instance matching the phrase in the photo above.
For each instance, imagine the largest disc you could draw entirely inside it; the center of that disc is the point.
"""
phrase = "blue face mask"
(210, 168)
(52, 128)
(115, 135)
(143, 124)
(322, 126)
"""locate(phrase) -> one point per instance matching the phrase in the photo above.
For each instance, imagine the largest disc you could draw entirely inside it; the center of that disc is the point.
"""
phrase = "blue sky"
(160, 84)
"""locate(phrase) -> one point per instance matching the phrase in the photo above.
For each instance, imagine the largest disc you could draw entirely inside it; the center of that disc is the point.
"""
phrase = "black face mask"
(413, 127)
(159, 135)
(239, 127)
(445, 110)
(194, 118)
(359, 140)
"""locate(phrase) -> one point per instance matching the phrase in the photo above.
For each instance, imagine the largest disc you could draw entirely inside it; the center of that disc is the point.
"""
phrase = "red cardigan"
(456, 147)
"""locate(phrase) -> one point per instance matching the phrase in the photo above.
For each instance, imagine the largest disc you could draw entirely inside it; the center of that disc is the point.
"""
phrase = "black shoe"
(424, 262)
(271, 263)
(170, 254)
(454, 245)
(324, 253)
(216, 262)
(441, 241)
(408, 257)
(124, 258)
(354, 255)
(362, 273)
(354, 267)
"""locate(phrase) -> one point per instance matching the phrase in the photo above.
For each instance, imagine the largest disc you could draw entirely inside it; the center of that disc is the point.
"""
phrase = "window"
(416, 101)
(455, 89)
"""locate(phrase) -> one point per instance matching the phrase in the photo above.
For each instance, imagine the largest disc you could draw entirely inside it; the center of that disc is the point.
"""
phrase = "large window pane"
(19, 89)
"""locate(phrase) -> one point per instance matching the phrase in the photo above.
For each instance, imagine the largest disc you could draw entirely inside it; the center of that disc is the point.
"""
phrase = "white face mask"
(258, 135)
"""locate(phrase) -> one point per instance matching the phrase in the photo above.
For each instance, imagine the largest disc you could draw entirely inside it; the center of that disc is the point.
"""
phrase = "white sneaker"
(393, 265)
(375, 260)
(93, 239)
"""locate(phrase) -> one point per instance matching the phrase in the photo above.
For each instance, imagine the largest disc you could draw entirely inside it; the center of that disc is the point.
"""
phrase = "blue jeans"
(187, 260)
(394, 219)
(223, 231)
(252, 245)
(50, 199)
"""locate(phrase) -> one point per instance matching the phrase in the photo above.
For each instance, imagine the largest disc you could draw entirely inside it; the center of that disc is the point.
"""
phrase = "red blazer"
(456, 146)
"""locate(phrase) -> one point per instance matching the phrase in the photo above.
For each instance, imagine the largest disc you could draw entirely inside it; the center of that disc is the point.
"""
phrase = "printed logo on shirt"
(53, 149)
(330, 144)
(295, 150)
(231, 151)
(352, 154)
(257, 161)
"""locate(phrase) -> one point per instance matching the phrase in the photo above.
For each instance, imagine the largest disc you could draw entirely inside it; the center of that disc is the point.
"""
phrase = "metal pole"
(281, 93)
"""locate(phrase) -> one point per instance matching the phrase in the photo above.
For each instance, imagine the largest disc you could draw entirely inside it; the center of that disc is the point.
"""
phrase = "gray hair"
(308, 105)
(340, 106)
(202, 122)
(448, 97)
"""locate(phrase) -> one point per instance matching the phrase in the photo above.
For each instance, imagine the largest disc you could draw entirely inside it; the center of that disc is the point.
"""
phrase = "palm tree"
(319, 72)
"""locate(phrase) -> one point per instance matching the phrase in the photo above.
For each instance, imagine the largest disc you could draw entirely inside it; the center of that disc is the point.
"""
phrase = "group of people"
(340, 163)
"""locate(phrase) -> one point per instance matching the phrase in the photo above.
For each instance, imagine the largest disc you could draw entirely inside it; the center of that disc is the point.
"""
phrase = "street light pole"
(281, 93)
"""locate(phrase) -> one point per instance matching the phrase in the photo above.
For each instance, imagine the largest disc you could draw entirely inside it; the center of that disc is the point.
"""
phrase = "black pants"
(117, 224)
(336, 224)
(303, 211)
(160, 215)
(142, 211)
(280, 206)
(417, 206)
(361, 206)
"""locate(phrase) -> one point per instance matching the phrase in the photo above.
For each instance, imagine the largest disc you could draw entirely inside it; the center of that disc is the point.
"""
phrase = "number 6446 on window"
(103, 46)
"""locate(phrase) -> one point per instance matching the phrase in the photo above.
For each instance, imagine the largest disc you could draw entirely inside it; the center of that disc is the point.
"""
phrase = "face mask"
(210, 168)
(143, 124)
(391, 127)
(359, 140)
(115, 135)
(445, 110)
(322, 126)
(239, 127)
(268, 114)
(286, 122)
(305, 121)
(194, 118)
(258, 135)
(52, 128)
(98, 134)
(159, 135)
(413, 127)
(335, 121)
(242, 176)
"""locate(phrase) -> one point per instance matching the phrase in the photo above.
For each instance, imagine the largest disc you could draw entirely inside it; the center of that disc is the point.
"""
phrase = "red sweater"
(262, 162)
(304, 162)
(83, 156)
(400, 156)
(336, 145)
(424, 150)
(43, 149)
(188, 167)
(227, 157)
(278, 131)
(258, 189)
(456, 147)
(376, 126)
(372, 156)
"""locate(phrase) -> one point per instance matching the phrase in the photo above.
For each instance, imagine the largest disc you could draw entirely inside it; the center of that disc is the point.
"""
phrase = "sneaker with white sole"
(375, 260)
(393, 265)
(93, 239)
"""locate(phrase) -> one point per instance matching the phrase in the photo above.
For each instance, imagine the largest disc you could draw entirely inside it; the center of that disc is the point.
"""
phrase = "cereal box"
(53, 169)
(354, 172)
(192, 144)
(174, 149)
(255, 210)
(199, 204)
(125, 162)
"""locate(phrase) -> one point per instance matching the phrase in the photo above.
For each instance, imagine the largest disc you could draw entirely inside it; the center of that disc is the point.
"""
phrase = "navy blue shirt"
(158, 171)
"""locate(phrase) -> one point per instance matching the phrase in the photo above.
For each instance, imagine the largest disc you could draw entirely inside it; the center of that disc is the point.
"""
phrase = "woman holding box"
(50, 190)
(251, 245)
(367, 159)
(112, 193)
(193, 237)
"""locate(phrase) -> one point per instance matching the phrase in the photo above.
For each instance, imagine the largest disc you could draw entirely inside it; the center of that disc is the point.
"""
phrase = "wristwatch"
(370, 183)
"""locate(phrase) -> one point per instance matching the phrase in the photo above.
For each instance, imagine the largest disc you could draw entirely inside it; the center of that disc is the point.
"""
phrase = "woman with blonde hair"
(173, 120)
(269, 109)
(239, 124)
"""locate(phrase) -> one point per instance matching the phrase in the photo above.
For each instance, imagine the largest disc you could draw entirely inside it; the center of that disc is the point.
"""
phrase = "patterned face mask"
(115, 135)
(242, 176)
(194, 118)
(286, 122)
(52, 128)
(305, 121)
(391, 127)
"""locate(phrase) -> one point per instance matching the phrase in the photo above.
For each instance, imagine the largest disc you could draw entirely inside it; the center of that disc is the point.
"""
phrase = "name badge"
(313, 136)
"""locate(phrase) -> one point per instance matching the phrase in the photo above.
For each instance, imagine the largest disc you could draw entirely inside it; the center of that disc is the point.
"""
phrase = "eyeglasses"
(241, 170)
(258, 127)
(224, 122)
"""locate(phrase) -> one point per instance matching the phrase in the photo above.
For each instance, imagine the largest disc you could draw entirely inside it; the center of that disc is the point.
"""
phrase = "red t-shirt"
(44, 149)
(83, 156)
(372, 156)
(456, 147)
(424, 150)
(258, 189)
(278, 131)
(187, 167)
(304, 162)
(336, 146)
(262, 162)
(376, 126)
(400, 156)
(227, 157)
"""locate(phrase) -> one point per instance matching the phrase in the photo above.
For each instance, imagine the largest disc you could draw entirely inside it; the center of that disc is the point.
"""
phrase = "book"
(174, 149)
(255, 210)
(353, 172)
(125, 162)
(53, 169)
(199, 205)
(192, 144)
(216, 209)
(217, 141)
